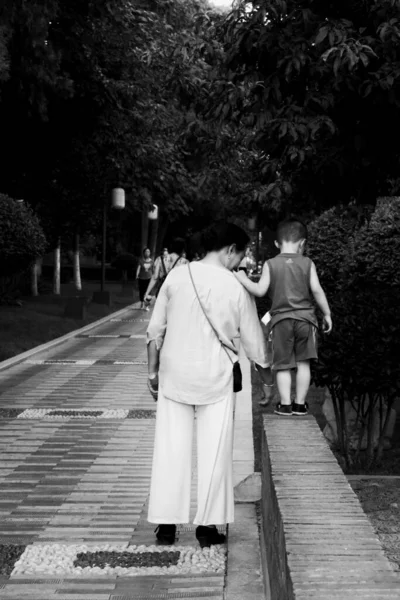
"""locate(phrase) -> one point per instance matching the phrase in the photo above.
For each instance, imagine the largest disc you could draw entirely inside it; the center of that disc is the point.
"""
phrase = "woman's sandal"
(208, 536)
(165, 534)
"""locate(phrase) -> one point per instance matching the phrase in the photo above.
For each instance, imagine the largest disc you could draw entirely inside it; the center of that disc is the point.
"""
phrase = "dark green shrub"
(358, 360)
(376, 249)
(330, 241)
(21, 241)
(21, 236)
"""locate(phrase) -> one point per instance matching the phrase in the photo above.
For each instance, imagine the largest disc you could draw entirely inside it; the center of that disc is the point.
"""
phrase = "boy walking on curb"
(291, 280)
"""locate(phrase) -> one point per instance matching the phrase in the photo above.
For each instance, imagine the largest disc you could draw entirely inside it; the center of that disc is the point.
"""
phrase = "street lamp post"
(118, 203)
(103, 247)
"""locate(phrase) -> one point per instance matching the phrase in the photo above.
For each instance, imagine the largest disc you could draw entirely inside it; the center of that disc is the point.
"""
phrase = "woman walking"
(164, 264)
(143, 275)
(201, 307)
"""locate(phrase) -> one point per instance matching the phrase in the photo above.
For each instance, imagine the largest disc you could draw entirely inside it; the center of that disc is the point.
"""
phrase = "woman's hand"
(152, 384)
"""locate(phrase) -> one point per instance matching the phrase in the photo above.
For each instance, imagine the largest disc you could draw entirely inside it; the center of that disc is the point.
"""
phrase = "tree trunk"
(57, 268)
(361, 419)
(371, 423)
(257, 247)
(153, 236)
(145, 230)
(340, 425)
(387, 430)
(34, 277)
(77, 265)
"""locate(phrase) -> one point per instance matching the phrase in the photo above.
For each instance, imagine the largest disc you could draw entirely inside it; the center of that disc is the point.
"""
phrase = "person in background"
(160, 272)
(200, 309)
(292, 283)
(143, 275)
(176, 258)
(244, 264)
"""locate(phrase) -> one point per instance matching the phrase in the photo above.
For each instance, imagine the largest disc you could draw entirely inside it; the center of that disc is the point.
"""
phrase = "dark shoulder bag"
(236, 370)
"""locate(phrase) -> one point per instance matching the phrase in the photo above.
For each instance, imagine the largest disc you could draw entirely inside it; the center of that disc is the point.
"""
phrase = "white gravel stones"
(118, 413)
(84, 413)
(58, 559)
(34, 413)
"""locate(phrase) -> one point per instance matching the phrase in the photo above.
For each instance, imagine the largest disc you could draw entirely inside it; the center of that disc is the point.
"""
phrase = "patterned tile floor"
(84, 480)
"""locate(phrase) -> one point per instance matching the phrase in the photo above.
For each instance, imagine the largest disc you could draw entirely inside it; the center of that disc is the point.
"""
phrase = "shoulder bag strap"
(179, 258)
(163, 264)
(207, 317)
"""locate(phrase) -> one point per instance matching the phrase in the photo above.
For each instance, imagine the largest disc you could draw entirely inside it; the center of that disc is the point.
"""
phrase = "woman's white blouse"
(194, 368)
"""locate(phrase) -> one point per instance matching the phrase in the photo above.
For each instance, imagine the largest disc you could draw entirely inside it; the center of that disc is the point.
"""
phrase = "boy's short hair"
(291, 230)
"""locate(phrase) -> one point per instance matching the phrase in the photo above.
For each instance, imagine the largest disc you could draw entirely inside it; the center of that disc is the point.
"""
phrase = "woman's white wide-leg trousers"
(172, 462)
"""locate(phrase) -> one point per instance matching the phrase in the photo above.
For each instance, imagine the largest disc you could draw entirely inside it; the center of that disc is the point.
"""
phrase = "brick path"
(84, 480)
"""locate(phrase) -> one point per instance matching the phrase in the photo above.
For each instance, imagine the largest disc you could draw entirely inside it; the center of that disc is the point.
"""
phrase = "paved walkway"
(77, 427)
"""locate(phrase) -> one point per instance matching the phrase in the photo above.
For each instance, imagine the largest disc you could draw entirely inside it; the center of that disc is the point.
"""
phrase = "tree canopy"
(313, 88)
(279, 106)
(89, 101)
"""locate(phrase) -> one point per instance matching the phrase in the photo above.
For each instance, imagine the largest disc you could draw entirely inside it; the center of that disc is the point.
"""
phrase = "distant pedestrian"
(175, 258)
(143, 275)
(292, 282)
(193, 371)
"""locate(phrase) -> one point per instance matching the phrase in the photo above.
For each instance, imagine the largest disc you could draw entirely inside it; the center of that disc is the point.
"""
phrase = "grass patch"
(41, 319)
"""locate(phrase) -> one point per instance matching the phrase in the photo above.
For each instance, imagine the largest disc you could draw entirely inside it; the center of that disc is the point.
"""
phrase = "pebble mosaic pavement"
(77, 428)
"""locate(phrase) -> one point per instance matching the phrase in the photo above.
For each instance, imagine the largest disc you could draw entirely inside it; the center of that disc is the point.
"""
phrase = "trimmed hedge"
(358, 361)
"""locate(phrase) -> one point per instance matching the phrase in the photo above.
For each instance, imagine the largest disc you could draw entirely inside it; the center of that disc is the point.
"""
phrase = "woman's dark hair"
(177, 246)
(145, 250)
(223, 234)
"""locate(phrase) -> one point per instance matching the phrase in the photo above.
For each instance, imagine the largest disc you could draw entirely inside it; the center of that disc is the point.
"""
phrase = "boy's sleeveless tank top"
(289, 289)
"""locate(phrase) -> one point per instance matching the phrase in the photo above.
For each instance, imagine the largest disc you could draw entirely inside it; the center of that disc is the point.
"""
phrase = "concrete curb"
(14, 360)
(249, 489)
(244, 578)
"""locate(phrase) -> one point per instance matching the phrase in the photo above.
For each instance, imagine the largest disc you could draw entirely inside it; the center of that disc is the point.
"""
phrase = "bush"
(377, 248)
(358, 360)
(21, 241)
(330, 241)
(21, 236)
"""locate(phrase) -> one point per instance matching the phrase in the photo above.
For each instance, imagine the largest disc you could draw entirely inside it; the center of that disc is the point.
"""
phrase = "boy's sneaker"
(283, 409)
(300, 409)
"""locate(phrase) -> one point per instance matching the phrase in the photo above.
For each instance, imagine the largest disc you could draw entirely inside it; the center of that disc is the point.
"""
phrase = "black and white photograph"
(199, 300)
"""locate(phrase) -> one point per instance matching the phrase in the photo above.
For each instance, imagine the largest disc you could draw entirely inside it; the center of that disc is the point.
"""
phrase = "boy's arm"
(320, 298)
(258, 289)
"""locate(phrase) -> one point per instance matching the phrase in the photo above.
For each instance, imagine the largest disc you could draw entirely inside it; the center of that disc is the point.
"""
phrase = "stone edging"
(112, 559)
(317, 539)
(10, 362)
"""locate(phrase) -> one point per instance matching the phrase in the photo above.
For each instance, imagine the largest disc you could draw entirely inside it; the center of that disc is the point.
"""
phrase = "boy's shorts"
(291, 341)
